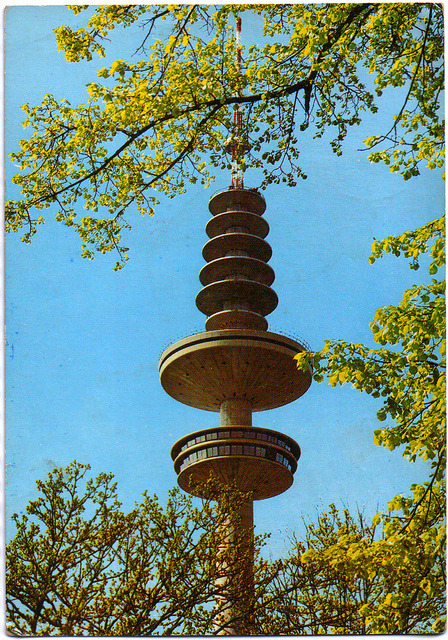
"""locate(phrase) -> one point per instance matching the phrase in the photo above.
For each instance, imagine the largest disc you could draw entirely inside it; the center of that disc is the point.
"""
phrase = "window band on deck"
(235, 449)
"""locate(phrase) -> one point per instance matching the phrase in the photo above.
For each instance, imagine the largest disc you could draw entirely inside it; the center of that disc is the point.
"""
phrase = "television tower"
(236, 367)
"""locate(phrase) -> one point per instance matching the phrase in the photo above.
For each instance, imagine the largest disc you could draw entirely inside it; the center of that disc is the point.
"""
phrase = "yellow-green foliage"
(159, 122)
(79, 566)
(408, 372)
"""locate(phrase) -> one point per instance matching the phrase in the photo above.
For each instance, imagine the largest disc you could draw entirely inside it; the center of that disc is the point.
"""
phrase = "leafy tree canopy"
(345, 578)
(158, 123)
(79, 566)
(408, 373)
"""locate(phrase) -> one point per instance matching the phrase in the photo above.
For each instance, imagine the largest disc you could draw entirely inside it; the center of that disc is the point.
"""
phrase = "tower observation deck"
(236, 366)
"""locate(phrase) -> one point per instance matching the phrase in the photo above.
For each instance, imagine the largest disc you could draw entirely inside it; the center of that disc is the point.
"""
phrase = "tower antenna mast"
(236, 145)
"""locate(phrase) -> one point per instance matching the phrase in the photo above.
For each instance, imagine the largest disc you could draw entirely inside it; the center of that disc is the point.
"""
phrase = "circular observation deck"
(260, 461)
(224, 222)
(208, 368)
(237, 199)
(230, 243)
(233, 267)
(236, 318)
(259, 298)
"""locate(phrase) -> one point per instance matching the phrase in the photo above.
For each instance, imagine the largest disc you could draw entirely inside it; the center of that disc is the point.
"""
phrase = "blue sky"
(83, 341)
